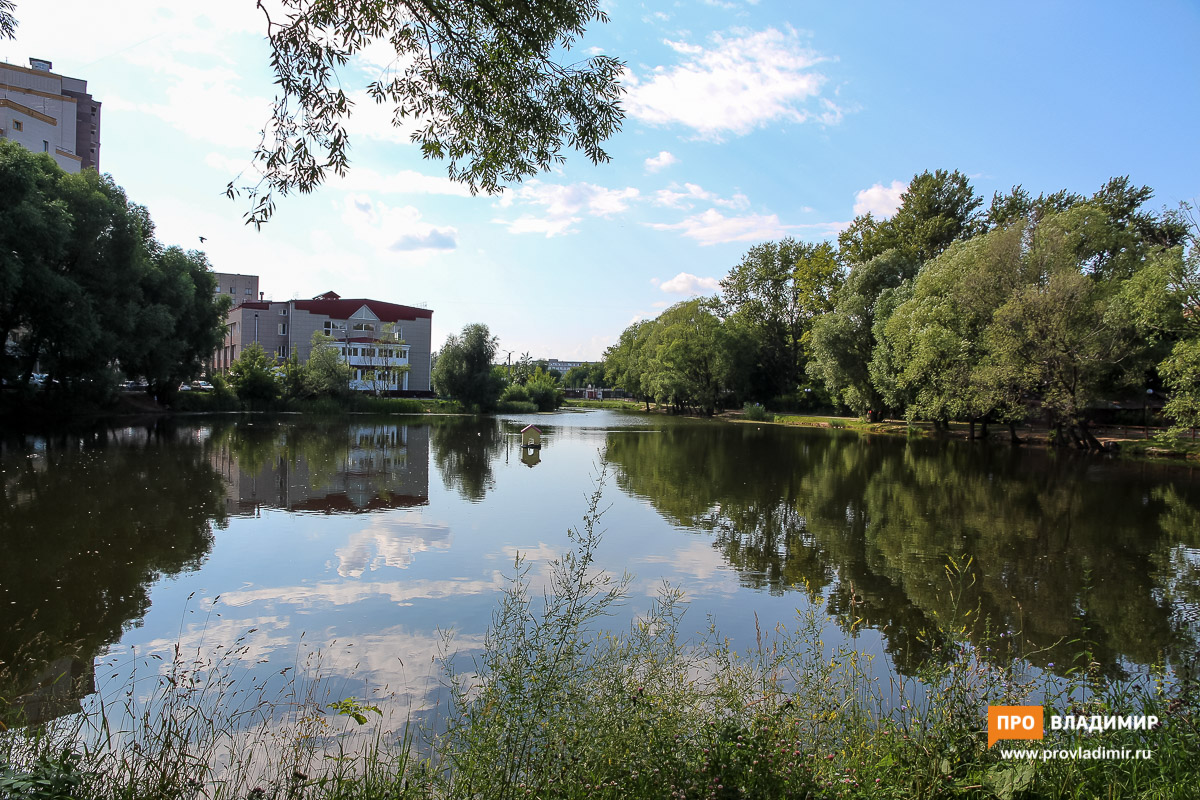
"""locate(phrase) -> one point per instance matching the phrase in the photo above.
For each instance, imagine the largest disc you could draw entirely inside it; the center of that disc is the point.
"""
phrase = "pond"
(373, 545)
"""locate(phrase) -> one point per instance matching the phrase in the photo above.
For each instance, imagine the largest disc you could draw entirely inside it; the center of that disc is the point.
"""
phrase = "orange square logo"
(1015, 722)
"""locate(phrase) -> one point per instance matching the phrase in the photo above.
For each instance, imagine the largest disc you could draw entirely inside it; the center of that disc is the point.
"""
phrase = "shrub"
(515, 393)
(755, 412)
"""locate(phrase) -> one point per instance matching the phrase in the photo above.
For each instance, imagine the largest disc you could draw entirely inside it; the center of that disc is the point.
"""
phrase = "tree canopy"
(487, 87)
(463, 369)
(87, 292)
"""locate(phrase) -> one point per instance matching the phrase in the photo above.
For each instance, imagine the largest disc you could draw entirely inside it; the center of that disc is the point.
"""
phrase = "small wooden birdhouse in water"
(531, 436)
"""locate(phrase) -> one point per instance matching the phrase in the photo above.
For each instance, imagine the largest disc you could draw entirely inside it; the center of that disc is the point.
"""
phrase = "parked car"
(202, 386)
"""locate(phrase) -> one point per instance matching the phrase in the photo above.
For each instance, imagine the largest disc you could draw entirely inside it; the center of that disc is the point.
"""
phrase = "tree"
(626, 363)
(843, 341)
(8, 22)
(688, 361)
(326, 373)
(252, 375)
(936, 209)
(464, 368)
(778, 290)
(543, 391)
(938, 334)
(485, 84)
(85, 288)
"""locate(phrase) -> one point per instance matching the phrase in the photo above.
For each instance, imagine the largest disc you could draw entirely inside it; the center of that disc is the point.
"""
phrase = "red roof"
(255, 305)
(343, 309)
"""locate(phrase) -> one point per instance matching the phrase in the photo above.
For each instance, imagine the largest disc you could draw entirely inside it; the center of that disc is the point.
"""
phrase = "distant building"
(374, 337)
(240, 288)
(50, 113)
(563, 366)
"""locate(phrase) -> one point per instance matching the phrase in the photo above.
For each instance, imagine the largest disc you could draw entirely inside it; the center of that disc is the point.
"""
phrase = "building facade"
(50, 113)
(239, 288)
(376, 339)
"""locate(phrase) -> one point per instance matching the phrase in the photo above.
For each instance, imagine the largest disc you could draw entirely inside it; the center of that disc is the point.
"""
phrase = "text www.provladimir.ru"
(1078, 754)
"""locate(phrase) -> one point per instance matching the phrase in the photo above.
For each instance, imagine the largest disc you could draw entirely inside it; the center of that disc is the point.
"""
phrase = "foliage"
(252, 376)
(543, 391)
(937, 209)
(485, 86)
(844, 340)
(778, 289)
(85, 289)
(514, 393)
(687, 363)
(463, 370)
(326, 373)
(756, 413)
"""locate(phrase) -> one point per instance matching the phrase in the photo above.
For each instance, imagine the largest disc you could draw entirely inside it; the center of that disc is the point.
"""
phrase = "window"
(249, 292)
(364, 326)
(333, 325)
(232, 290)
(283, 329)
(217, 290)
(18, 125)
(45, 146)
(282, 351)
(283, 311)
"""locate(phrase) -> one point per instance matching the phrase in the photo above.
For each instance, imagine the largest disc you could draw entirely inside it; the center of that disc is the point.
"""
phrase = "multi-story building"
(377, 339)
(50, 113)
(240, 288)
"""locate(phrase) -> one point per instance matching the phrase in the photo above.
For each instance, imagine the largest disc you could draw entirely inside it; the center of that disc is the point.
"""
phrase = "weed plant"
(560, 706)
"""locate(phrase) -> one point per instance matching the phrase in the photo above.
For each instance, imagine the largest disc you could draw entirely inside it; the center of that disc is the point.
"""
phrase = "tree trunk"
(1012, 432)
(971, 436)
(983, 431)
(1089, 438)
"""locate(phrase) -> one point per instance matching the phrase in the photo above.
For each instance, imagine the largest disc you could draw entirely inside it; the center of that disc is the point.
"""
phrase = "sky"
(746, 121)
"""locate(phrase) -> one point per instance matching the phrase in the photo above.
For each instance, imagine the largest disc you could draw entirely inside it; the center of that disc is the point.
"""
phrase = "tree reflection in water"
(87, 524)
(1073, 553)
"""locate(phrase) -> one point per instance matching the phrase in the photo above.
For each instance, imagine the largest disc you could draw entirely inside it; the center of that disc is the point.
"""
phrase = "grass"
(560, 706)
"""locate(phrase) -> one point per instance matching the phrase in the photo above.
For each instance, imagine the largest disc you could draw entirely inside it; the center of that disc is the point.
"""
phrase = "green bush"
(755, 412)
(515, 393)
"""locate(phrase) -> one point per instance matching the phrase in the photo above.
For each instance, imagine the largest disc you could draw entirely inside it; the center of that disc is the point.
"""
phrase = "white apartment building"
(50, 113)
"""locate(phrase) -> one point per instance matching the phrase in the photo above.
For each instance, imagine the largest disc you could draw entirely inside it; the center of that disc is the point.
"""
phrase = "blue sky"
(747, 121)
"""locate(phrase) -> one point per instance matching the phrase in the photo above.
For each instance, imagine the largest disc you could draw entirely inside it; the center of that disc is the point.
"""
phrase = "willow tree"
(486, 86)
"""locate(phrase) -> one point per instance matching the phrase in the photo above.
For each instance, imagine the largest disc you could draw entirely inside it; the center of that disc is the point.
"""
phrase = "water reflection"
(331, 530)
(88, 523)
(323, 468)
(1075, 553)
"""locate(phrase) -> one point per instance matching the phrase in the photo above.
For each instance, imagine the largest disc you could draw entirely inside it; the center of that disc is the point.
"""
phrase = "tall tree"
(485, 85)
(86, 290)
(688, 362)
(464, 368)
(843, 341)
(937, 209)
(778, 290)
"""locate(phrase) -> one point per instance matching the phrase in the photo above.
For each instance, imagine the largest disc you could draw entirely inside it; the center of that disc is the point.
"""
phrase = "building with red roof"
(376, 338)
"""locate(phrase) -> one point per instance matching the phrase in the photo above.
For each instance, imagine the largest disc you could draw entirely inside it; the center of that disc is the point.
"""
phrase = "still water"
(369, 541)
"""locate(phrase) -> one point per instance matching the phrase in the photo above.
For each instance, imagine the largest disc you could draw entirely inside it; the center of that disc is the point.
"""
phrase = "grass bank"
(558, 706)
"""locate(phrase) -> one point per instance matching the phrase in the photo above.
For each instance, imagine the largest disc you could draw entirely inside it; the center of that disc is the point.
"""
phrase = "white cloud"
(879, 200)
(394, 229)
(564, 205)
(735, 86)
(687, 195)
(712, 227)
(687, 283)
(660, 161)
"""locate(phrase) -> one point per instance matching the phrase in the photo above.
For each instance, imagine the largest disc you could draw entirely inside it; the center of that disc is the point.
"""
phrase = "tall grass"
(560, 705)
